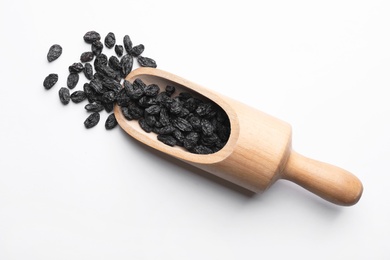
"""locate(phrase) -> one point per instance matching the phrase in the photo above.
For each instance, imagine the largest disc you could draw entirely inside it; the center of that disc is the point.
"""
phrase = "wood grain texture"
(258, 151)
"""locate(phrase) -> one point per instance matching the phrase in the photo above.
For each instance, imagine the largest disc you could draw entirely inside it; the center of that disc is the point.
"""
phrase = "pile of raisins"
(199, 126)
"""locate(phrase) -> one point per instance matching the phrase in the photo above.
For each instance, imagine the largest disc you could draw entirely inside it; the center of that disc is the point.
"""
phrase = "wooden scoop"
(258, 151)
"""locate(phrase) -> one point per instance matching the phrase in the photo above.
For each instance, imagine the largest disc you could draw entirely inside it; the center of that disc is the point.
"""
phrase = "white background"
(71, 193)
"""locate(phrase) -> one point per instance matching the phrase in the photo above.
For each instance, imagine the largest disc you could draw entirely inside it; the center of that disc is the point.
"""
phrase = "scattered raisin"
(97, 47)
(86, 56)
(72, 80)
(127, 44)
(54, 53)
(91, 36)
(137, 50)
(50, 81)
(119, 50)
(64, 95)
(88, 71)
(109, 41)
(92, 120)
(146, 62)
(76, 67)
(94, 107)
(111, 122)
(78, 96)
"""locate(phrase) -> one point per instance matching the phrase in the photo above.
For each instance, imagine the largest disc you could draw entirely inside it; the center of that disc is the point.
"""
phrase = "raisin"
(164, 117)
(109, 41)
(203, 109)
(96, 85)
(150, 120)
(54, 53)
(138, 83)
(170, 90)
(191, 140)
(200, 149)
(167, 139)
(126, 113)
(86, 56)
(119, 50)
(97, 47)
(91, 36)
(126, 65)
(92, 120)
(72, 80)
(88, 71)
(207, 127)
(64, 95)
(178, 136)
(146, 62)
(147, 101)
(182, 124)
(127, 43)
(114, 63)
(151, 90)
(153, 110)
(122, 99)
(144, 125)
(195, 123)
(78, 96)
(76, 67)
(135, 111)
(108, 97)
(50, 80)
(210, 141)
(111, 122)
(169, 129)
(176, 108)
(94, 107)
(191, 104)
(137, 50)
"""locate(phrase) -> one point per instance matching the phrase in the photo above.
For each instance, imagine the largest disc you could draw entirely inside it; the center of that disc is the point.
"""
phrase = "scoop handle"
(327, 181)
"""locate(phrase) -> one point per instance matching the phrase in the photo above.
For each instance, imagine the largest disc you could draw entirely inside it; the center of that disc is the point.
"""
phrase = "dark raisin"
(72, 80)
(191, 104)
(170, 90)
(127, 43)
(146, 62)
(94, 107)
(164, 117)
(125, 113)
(55, 51)
(109, 41)
(64, 95)
(92, 120)
(135, 111)
(111, 122)
(223, 132)
(144, 125)
(195, 122)
(203, 109)
(88, 71)
(182, 124)
(207, 127)
(167, 139)
(78, 96)
(151, 90)
(91, 36)
(126, 65)
(137, 50)
(76, 67)
(153, 110)
(210, 141)
(119, 50)
(183, 96)
(108, 97)
(178, 136)
(109, 107)
(97, 47)
(96, 85)
(138, 83)
(122, 99)
(184, 112)
(50, 81)
(169, 129)
(191, 140)
(114, 63)
(150, 120)
(86, 56)
(147, 101)
(176, 107)
(200, 149)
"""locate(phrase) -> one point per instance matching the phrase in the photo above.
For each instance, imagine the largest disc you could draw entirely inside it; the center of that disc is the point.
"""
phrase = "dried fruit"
(137, 50)
(126, 65)
(119, 50)
(151, 90)
(97, 47)
(54, 53)
(86, 56)
(92, 120)
(146, 62)
(78, 96)
(88, 71)
(94, 107)
(200, 149)
(127, 43)
(109, 41)
(111, 122)
(72, 80)
(144, 125)
(50, 81)
(91, 36)
(167, 139)
(76, 67)
(64, 95)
